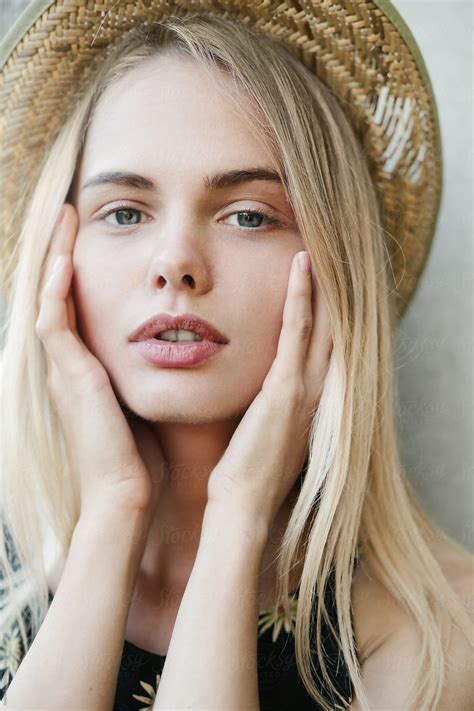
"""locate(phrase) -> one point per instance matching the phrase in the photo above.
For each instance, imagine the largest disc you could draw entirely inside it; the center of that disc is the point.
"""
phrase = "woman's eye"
(250, 219)
(126, 216)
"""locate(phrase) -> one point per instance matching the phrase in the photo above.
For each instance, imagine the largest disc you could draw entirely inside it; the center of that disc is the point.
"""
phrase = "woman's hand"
(118, 460)
(269, 446)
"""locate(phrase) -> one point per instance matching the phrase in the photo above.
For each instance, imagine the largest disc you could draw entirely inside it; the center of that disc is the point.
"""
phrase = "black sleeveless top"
(280, 687)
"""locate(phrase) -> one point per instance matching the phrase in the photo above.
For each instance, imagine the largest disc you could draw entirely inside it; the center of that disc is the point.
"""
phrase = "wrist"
(107, 524)
(109, 546)
(224, 521)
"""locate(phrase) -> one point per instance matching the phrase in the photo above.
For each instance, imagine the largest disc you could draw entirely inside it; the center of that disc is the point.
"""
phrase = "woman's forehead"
(160, 129)
(160, 84)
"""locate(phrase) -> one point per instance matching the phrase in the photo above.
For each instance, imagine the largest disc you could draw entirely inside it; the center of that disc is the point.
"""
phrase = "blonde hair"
(355, 505)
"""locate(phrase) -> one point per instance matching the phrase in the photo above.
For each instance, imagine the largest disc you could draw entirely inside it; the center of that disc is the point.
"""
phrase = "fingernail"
(303, 261)
(58, 263)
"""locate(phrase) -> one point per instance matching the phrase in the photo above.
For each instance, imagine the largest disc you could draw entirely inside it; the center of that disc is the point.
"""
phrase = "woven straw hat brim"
(363, 50)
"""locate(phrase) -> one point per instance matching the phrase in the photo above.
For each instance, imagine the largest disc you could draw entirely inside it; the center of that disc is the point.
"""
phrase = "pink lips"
(189, 322)
(177, 354)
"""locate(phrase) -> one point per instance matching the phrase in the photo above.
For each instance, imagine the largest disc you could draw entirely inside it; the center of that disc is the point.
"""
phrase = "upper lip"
(189, 322)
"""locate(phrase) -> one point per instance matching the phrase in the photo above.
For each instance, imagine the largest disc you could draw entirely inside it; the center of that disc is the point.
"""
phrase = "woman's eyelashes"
(250, 219)
(122, 209)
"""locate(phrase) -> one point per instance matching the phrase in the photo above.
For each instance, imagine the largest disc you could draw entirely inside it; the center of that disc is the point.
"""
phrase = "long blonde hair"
(354, 505)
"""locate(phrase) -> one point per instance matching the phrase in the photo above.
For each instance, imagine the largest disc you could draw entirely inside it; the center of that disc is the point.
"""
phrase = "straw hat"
(363, 50)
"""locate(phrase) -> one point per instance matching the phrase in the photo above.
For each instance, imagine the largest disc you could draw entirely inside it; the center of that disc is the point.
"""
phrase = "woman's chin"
(184, 408)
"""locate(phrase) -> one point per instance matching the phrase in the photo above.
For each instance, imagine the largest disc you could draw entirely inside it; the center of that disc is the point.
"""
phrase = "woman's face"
(180, 246)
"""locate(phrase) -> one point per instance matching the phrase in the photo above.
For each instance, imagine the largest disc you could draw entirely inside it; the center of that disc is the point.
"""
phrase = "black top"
(280, 687)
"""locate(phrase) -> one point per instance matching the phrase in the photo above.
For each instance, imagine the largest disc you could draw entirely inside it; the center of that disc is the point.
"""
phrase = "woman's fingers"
(305, 342)
(56, 323)
(297, 324)
(102, 448)
(320, 346)
(54, 251)
(268, 449)
(52, 325)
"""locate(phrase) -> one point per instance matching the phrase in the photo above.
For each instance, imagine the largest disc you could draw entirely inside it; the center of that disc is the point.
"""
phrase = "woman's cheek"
(90, 307)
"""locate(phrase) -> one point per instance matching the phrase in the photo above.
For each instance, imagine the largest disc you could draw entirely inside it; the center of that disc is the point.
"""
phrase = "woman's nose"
(179, 267)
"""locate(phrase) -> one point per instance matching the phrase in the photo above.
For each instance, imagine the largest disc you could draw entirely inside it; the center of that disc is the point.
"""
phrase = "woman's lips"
(187, 321)
(177, 354)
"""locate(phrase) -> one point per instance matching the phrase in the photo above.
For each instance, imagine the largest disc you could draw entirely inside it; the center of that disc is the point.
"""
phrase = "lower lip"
(177, 354)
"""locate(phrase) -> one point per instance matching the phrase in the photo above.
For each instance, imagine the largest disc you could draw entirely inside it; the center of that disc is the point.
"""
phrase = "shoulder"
(388, 642)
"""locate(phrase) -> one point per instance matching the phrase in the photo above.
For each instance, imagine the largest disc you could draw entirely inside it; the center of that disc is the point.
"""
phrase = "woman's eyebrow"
(215, 182)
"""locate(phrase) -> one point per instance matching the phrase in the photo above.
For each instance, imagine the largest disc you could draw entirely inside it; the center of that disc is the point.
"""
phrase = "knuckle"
(95, 377)
(299, 394)
(41, 328)
(292, 391)
(78, 374)
(44, 325)
(38, 324)
(304, 327)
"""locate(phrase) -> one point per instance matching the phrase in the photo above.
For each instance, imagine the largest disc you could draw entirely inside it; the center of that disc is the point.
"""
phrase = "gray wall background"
(434, 358)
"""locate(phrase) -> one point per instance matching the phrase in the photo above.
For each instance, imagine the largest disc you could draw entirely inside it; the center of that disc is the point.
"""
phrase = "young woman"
(235, 528)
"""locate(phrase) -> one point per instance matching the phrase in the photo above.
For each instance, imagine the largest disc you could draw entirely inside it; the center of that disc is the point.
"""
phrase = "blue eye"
(250, 218)
(125, 210)
(127, 213)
